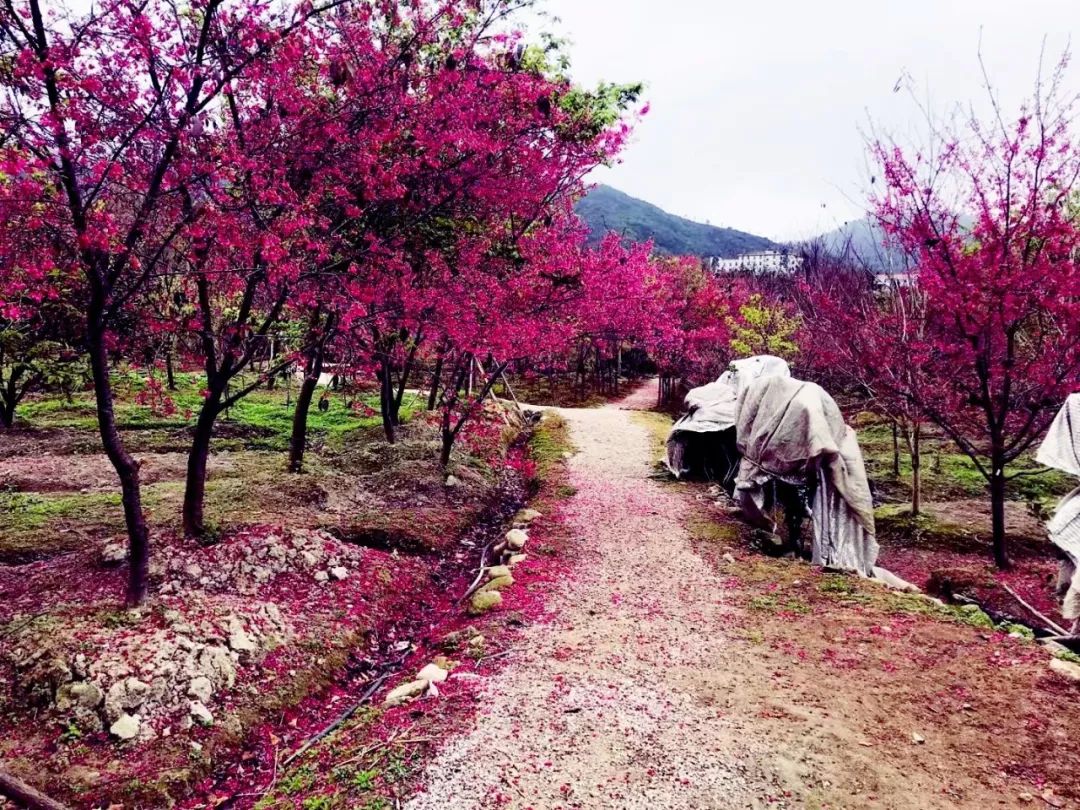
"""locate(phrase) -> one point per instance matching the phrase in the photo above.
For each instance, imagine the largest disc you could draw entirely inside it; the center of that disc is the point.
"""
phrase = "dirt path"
(615, 704)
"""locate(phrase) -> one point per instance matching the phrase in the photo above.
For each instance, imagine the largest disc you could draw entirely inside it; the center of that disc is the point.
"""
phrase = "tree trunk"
(127, 468)
(298, 439)
(198, 456)
(916, 470)
(386, 396)
(997, 510)
(436, 378)
(447, 447)
(170, 372)
(895, 450)
(7, 414)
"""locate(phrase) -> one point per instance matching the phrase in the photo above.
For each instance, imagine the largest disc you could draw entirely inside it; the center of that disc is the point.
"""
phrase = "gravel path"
(620, 702)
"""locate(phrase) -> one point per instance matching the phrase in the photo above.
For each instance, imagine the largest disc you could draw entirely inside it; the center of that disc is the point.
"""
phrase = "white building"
(760, 261)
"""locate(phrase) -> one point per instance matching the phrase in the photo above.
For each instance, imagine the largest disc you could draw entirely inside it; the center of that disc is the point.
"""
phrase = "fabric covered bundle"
(711, 408)
(793, 431)
(1061, 450)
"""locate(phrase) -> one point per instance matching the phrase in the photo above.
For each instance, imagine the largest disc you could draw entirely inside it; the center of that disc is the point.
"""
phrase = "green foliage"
(763, 329)
(1067, 655)
(319, 803)
(364, 780)
(301, 780)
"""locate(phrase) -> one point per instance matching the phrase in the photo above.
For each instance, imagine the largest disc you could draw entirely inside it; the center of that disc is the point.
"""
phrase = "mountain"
(606, 209)
(861, 241)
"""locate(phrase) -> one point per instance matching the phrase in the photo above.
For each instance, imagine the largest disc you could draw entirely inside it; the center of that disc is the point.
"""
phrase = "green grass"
(38, 524)
(548, 443)
(948, 474)
(264, 417)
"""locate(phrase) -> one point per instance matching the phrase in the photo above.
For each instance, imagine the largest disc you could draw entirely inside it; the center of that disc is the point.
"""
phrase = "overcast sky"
(758, 106)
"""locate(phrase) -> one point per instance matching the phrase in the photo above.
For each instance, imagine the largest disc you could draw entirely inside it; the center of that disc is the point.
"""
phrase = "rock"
(432, 673)
(310, 560)
(527, 516)
(216, 663)
(1065, 668)
(497, 571)
(239, 640)
(728, 558)
(405, 692)
(41, 674)
(193, 571)
(126, 727)
(322, 576)
(1052, 798)
(80, 667)
(200, 688)
(517, 559)
(451, 481)
(516, 539)
(79, 695)
(917, 738)
(484, 601)
(200, 714)
(130, 693)
(497, 584)
(113, 554)
(339, 573)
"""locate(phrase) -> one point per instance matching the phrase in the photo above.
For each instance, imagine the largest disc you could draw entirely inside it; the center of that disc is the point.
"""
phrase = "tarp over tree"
(793, 431)
(712, 409)
(1061, 450)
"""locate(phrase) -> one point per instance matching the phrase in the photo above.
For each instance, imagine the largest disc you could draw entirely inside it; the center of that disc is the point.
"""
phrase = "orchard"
(313, 373)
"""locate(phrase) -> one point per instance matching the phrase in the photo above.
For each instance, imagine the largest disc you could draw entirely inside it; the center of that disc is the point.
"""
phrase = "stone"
(200, 688)
(516, 539)
(497, 584)
(310, 559)
(497, 571)
(113, 554)
(216, 663)
(452, 481)
(322, 576)
(239, 640)
(484, 601)
(193, 571)
(405, 692)
(728, 557)
(339, 573)
(80, 694)
(527, 516)
(130, 693)
(1065, 668)
(432, 673)
(517, 559)
(917, 738)
(200, 714)
(126, 727)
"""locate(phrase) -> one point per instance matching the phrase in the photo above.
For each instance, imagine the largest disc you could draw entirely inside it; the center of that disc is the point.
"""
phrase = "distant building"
(761, 261)
(894, 279)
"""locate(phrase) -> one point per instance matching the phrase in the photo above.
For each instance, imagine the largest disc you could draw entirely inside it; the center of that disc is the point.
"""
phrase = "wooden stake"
(24, 795)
